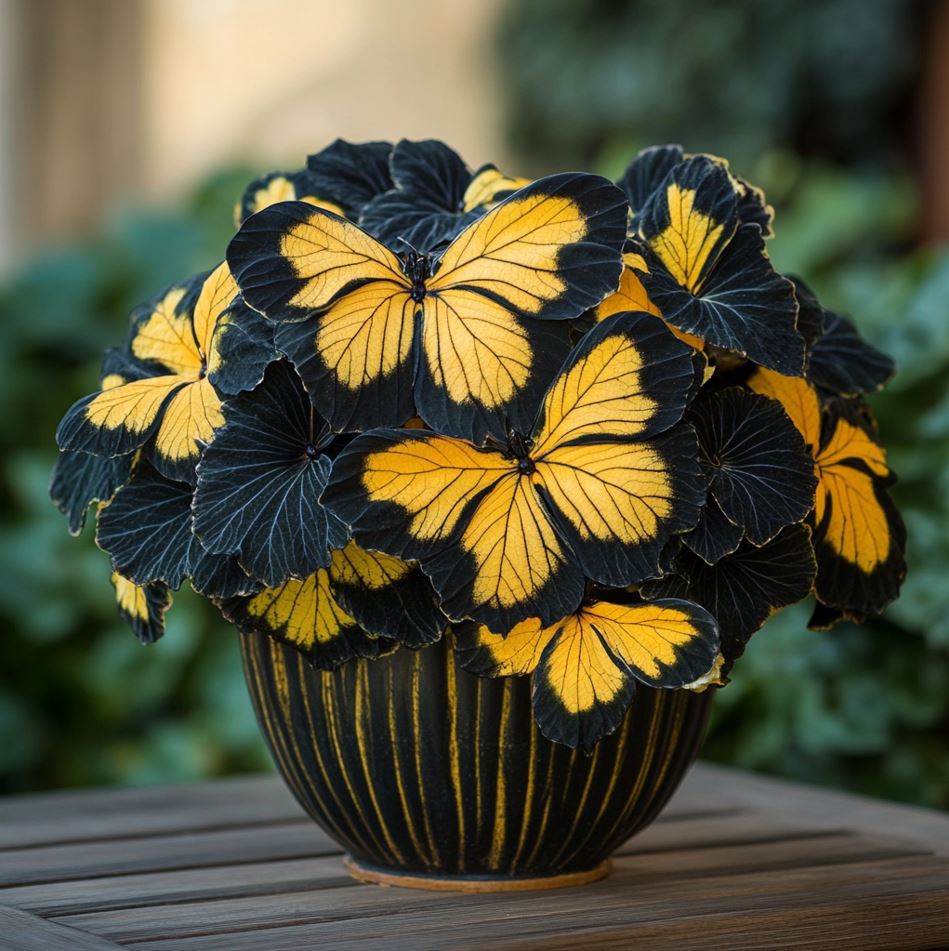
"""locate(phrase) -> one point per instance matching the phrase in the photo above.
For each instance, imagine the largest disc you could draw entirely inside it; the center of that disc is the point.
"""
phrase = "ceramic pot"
(431, 777)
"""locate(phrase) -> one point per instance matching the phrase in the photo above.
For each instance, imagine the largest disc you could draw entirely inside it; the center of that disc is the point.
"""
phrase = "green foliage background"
(865, 708)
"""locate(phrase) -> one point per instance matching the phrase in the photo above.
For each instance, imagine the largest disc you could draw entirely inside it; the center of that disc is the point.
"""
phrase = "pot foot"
(472, 883)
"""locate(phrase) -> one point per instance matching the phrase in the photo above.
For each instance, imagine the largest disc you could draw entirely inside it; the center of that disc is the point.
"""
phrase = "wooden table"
(736, 861)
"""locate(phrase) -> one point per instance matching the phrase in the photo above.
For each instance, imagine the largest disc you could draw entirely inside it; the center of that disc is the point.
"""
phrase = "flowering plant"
(586, 425)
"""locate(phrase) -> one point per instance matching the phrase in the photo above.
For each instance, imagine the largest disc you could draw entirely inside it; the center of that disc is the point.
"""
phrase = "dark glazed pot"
(431, 777)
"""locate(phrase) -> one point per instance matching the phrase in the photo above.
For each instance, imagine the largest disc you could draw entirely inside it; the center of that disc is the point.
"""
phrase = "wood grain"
(25, 932)
(736, 862)
(94, 815)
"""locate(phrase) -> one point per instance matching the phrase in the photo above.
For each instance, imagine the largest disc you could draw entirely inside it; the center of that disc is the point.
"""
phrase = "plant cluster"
(585, 424)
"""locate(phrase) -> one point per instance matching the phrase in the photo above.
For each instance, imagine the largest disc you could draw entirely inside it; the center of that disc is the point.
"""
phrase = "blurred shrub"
(726, 76)
(81, 701)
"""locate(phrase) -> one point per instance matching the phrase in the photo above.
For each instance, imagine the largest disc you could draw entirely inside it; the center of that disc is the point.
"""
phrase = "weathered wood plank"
(736, 861)
(822, 808)
(192, 884)
(906, 924)
(163, 853)
(426, 922)
(97, 814)
(725, 829)
(21, 931)
(634, 872)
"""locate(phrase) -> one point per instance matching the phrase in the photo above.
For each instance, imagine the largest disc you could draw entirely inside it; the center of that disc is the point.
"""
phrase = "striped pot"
(431, 777)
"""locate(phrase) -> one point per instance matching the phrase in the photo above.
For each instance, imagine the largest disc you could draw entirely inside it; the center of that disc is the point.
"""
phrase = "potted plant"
(496, 478)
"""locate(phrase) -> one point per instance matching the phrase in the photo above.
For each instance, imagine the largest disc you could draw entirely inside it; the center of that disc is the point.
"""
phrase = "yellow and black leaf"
(189, 345)
(146, 528)
(715, 535)
(465, 513)
(242, 348)
(647, 174)
(386, 596)
(842, 362)
(81, 478)
(275, 187)
(350, 175)
(489, 185)
(753, 208)
(585, 667)
(464, 330)
(380, 389)
(142, 606)
(690, 220)
(631, 295)
(435, 196)
(306, 614)
(260, 479)
(758, 468)
(859, 536)
(595, 489)
(709, 273)
(743, 589)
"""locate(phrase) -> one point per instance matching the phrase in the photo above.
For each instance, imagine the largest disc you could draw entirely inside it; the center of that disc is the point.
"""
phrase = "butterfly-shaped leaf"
(743, 589)
(146, 528)
(595, 489)
(585, 667)
(142, 606)
(859, 536)
(758, 468)
(260, 479)
(188, 346)
(708, 272)
(466, 336)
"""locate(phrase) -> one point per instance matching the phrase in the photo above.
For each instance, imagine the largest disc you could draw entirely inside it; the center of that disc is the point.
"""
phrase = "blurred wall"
(9, 67)
(108, 101)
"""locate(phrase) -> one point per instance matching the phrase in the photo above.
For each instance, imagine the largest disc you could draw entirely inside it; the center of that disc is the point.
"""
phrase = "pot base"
(476, 884)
